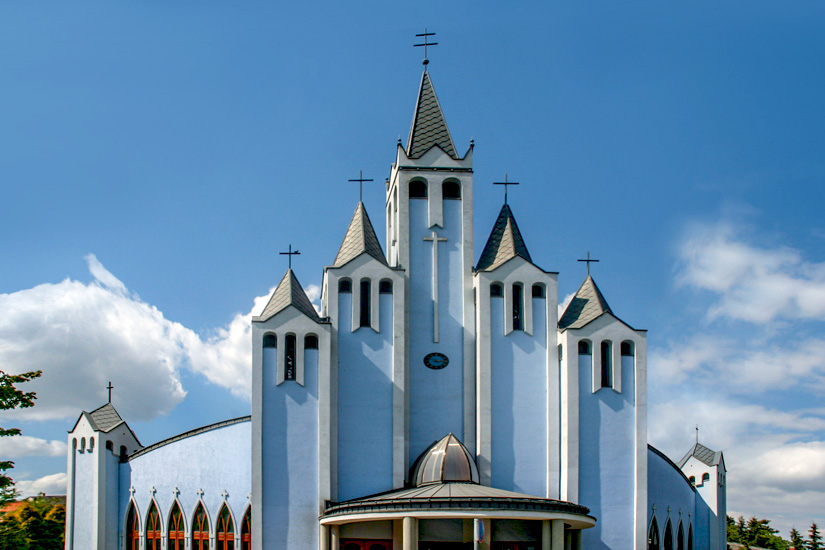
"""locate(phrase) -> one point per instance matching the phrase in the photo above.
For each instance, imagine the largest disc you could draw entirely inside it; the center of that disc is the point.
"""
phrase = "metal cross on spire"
(290, 254)
(589, 261)
(505, 183)
(426, 43)
(361, 181)
(109, 387)
(697, 434)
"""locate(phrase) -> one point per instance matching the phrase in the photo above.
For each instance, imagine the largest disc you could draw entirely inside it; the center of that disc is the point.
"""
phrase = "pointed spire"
(289, 293)
(505, 242)
(360, 238)
(586, 305)
(429, 127)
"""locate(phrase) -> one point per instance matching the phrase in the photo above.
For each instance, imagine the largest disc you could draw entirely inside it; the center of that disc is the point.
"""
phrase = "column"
(410, 530)
(557, 535)
(546, 534)
(323, 537)
(334, 537)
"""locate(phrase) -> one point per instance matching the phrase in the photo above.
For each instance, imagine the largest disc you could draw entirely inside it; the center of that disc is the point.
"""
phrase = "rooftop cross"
(109, 387)
(697, 433)
(426, 43)
(290, 254)
(505, 183)
(589, 261)
(360, 181)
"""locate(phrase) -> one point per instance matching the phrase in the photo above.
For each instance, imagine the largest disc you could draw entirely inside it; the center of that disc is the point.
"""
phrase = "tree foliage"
(755, 533)
(38, 523)
(11, 398)
(796, 539)
(814, 538)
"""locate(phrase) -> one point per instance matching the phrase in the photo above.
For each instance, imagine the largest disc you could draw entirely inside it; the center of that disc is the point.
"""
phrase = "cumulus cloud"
(52, 484)
(24, 445)
(83, 335)
(752, 283)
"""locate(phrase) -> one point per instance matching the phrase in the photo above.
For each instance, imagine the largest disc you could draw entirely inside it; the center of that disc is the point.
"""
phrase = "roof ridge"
(360, 238)
(429, 128)
(504, 243)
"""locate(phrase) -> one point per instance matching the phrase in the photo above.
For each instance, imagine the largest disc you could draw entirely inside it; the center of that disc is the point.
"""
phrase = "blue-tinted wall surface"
(84, 498)
(668, 488)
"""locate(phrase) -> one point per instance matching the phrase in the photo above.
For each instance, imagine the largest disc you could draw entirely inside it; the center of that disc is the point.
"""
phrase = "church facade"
(436, 401)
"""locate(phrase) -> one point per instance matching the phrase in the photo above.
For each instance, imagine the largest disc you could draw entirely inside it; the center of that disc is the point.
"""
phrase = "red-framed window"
(200, 529)
(176, 530)
(132, 529)
(246, 530)
(153, 528)
(225, 532)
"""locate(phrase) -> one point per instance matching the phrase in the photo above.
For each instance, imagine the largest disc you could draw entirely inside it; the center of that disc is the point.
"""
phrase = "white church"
(437, 401)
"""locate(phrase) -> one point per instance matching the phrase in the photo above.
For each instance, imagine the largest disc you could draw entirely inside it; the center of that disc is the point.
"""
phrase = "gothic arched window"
(365, 302)
(176, 530)
(690, 537)
(132, 529)
(668, 536)
(418, 189)
(153, 528)
(607, 364)
(450, 190)
(518, 307)
(200, 529)
(246, 530)
(225, 531)
(496, 289)
(680, 538)
(653, 536)
(289, 357)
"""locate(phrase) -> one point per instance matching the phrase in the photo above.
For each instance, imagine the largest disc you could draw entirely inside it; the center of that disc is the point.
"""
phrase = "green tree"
(796, 539)
(814, 538)
(37, 524)
(11, 398)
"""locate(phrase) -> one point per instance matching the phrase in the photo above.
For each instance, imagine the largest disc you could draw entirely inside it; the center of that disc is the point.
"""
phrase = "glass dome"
(446, 460)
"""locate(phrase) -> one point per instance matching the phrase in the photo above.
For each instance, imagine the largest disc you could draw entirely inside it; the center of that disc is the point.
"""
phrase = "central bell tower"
(430, 236)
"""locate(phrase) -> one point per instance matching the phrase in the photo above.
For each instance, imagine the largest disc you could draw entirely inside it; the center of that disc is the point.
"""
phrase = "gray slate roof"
(289, 293)
(105, 418)
(428, 127)
(505, 243)
(709, 457)
(360, 238)
(586, 305)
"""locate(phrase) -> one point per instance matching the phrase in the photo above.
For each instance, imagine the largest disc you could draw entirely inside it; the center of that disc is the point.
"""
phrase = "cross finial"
(361, 181)
(426, 43)
(109, 387)
(290, 254)
(224, 494)
(505, 183)
(589, 261)
(697, 434)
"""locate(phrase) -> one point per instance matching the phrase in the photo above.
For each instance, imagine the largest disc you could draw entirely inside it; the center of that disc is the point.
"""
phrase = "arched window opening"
(311, 342)
(176, 530)
(705, 477)
(418, 189)
(153, 528)
(450, 190)
(289, 357)
(365, 303)
(270, 341)
(344, 285)
(584, 347)
(496, 289)
(518, 307)
(690, 537)
(123, 453)
(225, 533)
(385, 287)
(692, 480)
(561, 352)
(538, 291)
(607, 364)
(668, 536)
(132, 529)
(246, 530)
(653, 536)
(82, 444)
(91, 444)
(680, 538)
(110, 446)
(200, 529)
(627, 349)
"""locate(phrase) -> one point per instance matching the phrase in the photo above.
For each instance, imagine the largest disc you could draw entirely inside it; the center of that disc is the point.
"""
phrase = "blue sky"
(156, 156)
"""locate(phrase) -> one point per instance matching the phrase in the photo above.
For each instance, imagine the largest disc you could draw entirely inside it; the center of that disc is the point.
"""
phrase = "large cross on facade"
(435, 240)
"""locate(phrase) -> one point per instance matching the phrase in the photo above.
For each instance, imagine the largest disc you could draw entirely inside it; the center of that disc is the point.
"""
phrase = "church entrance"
(352, 544)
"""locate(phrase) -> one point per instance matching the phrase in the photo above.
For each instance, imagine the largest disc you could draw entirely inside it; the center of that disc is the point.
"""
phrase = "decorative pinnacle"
(426, 43)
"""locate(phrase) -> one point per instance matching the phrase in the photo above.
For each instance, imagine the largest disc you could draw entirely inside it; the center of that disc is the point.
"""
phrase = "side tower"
(291, 411)
(430, 236)
(364, 299)
(97, 444)
(706, 471)
(604, 419)
(517, 379)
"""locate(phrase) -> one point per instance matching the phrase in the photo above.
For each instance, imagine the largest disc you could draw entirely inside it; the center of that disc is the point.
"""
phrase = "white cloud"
(24, 445)
(52, 484)
(83, 335)
(754, 284)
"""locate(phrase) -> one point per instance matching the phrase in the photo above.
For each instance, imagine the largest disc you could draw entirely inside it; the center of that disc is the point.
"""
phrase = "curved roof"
(190, 433)
(446, 460)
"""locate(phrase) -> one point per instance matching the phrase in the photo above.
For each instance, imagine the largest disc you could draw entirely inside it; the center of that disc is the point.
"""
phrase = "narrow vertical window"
(289, 358)
(627, 349)
(132, 529)
(270, 341)
(418, 189)
(653, 536)
(153, 528)
(225, 532)
(518, 307)
(496, 290)
(311, 342)
(365, 303)
(584, 348)
(246, 530)
(177, 533)
(538, 291)
(344, 285)
(385, 287)
(200, 529)
(690, 537)
(450, 190)
(668, 536)
(607, 365)
(680, 538)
